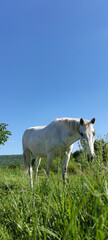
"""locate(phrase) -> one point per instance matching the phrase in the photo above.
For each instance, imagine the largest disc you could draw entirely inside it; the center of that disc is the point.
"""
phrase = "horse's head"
(87, 134)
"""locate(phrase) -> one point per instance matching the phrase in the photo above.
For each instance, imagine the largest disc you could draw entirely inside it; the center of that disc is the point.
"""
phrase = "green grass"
(77, 210)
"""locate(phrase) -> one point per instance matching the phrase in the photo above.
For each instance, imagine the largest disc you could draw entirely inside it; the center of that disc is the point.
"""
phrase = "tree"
(4, 133)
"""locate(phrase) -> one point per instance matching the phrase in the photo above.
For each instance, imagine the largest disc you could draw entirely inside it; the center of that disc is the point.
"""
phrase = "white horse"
(56, 139)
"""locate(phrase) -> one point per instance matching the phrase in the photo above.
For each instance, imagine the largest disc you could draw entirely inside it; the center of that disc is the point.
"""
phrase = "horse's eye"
(81, 134)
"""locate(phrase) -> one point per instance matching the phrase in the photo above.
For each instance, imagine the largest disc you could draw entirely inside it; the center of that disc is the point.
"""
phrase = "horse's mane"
(71, 122)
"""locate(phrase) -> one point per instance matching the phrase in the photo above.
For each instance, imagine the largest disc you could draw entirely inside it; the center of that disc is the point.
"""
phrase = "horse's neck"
(73, 138)
(73, 132)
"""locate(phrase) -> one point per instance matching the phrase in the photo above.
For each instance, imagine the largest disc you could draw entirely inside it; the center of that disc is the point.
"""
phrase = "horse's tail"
(25, 161)
(24, 155)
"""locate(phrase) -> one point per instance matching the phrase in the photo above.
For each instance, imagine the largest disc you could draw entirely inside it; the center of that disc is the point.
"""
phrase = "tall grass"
(52, 210)
(77, 210)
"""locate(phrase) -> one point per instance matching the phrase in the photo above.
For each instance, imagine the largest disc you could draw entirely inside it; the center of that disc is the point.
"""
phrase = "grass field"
(52, 210)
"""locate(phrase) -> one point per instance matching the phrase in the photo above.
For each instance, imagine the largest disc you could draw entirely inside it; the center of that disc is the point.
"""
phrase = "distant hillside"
(8, 160)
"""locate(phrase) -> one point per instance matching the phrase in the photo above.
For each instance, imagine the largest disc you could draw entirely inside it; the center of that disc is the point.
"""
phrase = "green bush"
(15, 165)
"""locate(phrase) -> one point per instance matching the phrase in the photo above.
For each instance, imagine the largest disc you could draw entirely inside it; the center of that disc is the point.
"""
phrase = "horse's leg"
(49, 162)
(37, 163)
(28, 159)
(31, 175)
(65, 165)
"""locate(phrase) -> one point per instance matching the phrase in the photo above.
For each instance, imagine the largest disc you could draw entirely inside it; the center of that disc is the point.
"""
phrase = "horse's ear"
(93, 120)
(81, 121)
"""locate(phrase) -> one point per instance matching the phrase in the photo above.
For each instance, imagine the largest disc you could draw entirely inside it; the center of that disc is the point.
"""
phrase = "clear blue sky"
(53, 63)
